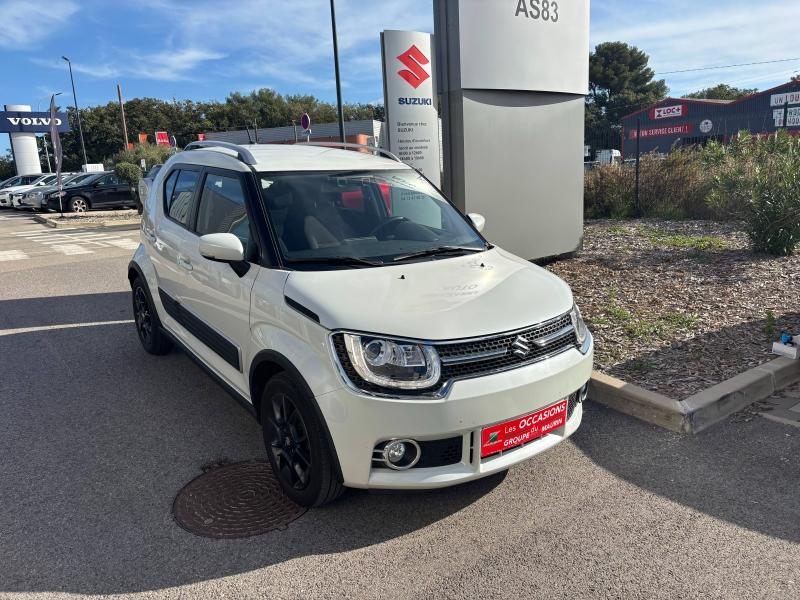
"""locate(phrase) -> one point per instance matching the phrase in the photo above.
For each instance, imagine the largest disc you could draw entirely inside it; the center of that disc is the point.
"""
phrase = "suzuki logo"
(413, 59)
(520, 346)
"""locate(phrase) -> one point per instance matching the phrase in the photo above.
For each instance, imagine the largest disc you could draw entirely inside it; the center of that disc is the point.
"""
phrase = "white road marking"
(6, 255)
(71, 249)
(126, 244)
(67, 326)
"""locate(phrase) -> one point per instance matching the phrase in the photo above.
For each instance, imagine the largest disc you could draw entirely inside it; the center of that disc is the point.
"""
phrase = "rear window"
(178, 195)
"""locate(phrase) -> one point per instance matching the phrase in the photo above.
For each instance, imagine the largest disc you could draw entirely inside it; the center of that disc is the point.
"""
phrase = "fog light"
(401, 454)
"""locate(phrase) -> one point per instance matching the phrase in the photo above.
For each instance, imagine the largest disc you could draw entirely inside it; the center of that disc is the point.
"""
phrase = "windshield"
(75, 180)
(11, 182)
(378, 216)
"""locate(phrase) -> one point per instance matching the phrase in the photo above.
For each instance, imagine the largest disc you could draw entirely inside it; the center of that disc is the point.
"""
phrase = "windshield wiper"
(335, 260)
(437, 250)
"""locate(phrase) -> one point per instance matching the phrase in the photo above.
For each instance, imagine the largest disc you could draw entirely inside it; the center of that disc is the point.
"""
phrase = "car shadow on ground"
(98, 437)
(741, 471)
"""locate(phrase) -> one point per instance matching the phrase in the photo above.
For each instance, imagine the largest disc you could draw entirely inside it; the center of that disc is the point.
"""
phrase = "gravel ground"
(678, 306)
(100, 217)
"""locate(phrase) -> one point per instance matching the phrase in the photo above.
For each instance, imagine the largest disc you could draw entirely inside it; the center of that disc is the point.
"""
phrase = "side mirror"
(222, 247)
(478, 220)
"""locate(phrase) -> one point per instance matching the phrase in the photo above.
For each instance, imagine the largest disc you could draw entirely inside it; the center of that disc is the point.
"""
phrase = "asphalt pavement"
(97, 437)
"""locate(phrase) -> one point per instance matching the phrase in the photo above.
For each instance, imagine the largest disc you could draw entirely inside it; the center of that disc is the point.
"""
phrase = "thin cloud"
(26, 23)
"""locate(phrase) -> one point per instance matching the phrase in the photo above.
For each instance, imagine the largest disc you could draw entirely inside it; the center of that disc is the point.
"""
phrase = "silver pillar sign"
(412, 121)
(513, 78)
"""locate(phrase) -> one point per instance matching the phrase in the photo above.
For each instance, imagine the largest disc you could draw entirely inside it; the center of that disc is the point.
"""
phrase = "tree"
(722, 91)
(620, 80)
(7, 167)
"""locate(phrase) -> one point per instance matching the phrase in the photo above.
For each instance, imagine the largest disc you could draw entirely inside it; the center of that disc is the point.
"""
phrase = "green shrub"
(129, 172)
(608, 192)
(757, 179)
(152, 154)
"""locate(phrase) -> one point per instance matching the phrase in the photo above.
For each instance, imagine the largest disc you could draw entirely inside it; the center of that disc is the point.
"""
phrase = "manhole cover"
(234, 501)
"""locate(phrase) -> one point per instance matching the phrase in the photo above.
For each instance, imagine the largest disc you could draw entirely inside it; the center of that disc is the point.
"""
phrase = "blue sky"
(203, 49)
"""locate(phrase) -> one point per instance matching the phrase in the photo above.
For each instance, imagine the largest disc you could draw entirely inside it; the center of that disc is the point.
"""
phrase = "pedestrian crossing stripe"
(72, 249)
(6, 255)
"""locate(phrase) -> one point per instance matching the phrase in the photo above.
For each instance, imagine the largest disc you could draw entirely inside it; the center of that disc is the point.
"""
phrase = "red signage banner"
(162, 138)
(668, 112)
(683, 129)
(201, 137)
(142, 138)
(522, 430)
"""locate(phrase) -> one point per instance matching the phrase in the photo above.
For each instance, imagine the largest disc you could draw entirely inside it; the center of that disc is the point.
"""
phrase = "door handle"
(184, 263)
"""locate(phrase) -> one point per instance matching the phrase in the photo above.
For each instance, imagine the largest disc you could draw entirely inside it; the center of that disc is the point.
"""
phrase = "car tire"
(78, 204)
(296, 444)
(148, 325)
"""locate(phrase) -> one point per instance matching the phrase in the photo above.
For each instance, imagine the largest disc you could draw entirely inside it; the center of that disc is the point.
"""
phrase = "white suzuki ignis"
(377, 337)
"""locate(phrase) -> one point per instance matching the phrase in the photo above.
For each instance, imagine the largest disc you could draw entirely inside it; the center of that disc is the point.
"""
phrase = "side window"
(169, 187)
(179, 202)
(222, 208)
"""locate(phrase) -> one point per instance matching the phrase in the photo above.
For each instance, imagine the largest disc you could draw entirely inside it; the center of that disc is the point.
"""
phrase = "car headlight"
(393, 364)
(581, 331)
(39, 195)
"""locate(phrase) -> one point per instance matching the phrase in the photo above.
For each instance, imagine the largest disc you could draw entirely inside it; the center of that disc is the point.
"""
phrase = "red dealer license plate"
(522, 430)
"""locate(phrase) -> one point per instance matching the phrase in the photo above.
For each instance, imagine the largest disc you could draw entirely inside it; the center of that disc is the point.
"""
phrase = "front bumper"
(4, 200)
(358, 422)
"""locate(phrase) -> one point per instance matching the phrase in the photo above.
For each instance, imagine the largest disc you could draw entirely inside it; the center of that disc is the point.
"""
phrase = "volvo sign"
(412, 121)
(14, 121)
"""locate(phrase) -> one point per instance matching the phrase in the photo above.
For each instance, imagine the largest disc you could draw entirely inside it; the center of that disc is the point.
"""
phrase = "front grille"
(473, 358)
(434, 453)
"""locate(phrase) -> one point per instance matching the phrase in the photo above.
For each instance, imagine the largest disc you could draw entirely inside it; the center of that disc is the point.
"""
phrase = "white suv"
(378, 338)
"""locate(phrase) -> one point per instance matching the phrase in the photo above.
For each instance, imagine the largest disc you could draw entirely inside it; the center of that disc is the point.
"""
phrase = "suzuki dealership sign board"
(526, 45)
(12, 121)
(412, 121)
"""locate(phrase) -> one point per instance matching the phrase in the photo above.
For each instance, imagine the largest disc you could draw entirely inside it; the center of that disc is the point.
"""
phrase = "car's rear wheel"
(78, 204)
(148, 325)
(296, 444)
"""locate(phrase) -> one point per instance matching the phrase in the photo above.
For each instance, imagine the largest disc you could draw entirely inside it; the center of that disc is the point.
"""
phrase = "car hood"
(466, 296)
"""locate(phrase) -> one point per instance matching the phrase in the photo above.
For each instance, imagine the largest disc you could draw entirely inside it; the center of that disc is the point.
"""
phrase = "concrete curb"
(701, 410)
(75, 223)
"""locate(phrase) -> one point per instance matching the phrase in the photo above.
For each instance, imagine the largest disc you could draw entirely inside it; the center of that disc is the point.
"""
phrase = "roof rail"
(243, 154)
(346, 145)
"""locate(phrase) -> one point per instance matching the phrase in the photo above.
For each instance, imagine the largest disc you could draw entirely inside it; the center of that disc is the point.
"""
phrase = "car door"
(107, 192)
(170, 239)
(217, 296)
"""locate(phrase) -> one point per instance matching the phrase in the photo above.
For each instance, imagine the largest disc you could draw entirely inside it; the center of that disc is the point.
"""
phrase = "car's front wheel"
(78, 204)
(297, 447)
(148, 325)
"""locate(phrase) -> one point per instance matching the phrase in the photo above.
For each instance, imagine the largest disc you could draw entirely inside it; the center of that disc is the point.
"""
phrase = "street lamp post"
(336, 67)
(77, 110)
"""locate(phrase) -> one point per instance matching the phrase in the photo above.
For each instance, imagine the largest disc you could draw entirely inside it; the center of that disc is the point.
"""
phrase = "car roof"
(289, 157)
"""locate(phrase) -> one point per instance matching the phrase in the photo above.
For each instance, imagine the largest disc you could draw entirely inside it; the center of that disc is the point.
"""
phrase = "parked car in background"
(104, 190)
(145, 183)
(32, 199)
(14, 192)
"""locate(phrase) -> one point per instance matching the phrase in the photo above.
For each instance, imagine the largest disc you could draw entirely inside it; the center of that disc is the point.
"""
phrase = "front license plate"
(522, 430)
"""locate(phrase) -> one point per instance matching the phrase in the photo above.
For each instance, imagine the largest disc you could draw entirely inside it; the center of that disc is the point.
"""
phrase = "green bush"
(757, 179)
(609, 192)
(152, 154)
(129, 172)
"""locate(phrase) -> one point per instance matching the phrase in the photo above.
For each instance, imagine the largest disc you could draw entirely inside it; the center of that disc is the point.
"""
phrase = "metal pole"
(638, 138)
(77, 110)
(338, 78)
(122, 112)
(47, 153)
(295, 130)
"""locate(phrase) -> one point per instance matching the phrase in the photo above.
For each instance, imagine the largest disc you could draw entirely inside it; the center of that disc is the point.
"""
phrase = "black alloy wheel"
(297, 446)
(290, 446)
(148, 325)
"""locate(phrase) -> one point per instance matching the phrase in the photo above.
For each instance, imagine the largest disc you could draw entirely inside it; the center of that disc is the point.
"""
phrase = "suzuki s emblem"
(520, 346)
(413, 59)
